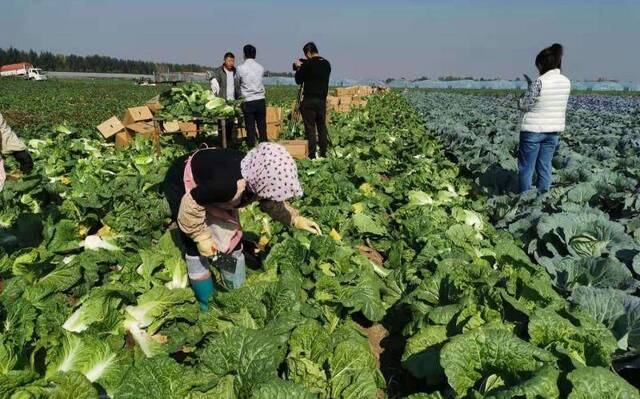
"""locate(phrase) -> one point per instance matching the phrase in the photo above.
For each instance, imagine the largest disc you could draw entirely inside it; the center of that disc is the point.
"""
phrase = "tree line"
(49, 61)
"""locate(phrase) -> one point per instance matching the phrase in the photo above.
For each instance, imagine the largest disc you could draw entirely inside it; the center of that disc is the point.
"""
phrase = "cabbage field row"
(410, 293)
(586, 230)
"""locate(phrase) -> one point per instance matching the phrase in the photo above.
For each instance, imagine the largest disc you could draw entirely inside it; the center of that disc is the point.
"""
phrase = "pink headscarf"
(271, 173)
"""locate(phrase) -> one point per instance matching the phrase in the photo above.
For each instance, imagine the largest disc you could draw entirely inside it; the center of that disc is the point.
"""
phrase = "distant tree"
(92, 63)
(453, 78)
(269, 74)
(421, 79)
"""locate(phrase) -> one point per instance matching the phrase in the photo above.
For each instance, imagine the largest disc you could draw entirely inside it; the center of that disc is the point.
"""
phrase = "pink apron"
(224, 223)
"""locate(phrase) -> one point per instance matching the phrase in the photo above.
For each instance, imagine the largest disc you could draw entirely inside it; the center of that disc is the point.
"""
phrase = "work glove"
(205, 244)
(25, 161)
(215, 87)
(305, 224)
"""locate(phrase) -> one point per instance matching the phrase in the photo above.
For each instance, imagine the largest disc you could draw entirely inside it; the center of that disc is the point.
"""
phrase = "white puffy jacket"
(547, 115)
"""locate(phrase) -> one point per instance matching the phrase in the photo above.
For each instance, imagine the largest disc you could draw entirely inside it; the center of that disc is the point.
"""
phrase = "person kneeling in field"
(11, 144)
(544, 105)
(205, 191)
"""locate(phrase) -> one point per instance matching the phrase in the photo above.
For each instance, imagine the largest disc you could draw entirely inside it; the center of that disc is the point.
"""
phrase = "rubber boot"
(203, 289)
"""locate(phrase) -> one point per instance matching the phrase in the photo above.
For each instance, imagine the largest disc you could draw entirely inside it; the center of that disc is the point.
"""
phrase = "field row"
(586, 230)
(411, 292)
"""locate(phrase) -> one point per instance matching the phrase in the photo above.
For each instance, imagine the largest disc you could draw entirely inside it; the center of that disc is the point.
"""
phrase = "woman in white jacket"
(544, 106)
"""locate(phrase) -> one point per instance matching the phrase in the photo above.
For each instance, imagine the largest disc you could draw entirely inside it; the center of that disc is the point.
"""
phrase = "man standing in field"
(252, 90)
(11, 144)
(226, 84)
(313, 73)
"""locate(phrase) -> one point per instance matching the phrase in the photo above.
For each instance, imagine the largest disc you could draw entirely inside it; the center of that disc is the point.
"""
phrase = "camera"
(294, 66)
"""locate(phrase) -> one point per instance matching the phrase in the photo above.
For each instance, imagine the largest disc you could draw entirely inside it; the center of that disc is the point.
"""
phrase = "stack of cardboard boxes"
(136, 120)
(348, 97)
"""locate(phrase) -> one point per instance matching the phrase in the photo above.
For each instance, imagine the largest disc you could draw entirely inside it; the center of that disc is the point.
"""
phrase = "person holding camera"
(313, 74)
(226, 84)
(252, 90)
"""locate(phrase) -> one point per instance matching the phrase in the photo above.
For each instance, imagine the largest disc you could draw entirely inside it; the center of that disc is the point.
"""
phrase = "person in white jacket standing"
(253, 94)
(544, 107)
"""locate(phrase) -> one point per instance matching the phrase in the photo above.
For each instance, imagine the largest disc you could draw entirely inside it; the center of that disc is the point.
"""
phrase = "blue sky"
(375, 39)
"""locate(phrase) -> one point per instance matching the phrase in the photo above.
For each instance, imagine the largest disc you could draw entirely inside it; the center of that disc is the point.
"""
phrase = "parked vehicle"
(23, 69)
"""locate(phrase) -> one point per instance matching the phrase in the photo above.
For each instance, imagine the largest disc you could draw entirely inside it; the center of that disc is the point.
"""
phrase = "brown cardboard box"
(171, 126)
(299, 149)
(123, 139)
(145, 129)
(137, 114)
(344, 107)
(273, 130)
(111, 127)
(364, 91)
(242, 133)
(346, 100)
(359, 102)
(275, 115)
(154, 104)
(188, 129)
(333, 101)
(346, 91)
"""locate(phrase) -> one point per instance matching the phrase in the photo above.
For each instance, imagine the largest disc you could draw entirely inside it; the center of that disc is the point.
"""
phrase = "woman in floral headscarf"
(205, 191)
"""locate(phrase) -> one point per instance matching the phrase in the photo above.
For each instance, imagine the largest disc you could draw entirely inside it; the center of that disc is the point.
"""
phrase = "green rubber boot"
(203, 289)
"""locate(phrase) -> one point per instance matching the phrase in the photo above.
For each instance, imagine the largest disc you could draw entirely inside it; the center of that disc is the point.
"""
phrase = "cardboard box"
(359, 102)
(188, 129)
(111, 127)
(275, 115)
(299, 149)
(273, 130)
(137, 114)
(145, 129)
(346, 91)
(346, 100)
(242, 133)
(333, 101)
(171, 126)
(364, 91)
(344, 107)
(123, 139)
(154, 104)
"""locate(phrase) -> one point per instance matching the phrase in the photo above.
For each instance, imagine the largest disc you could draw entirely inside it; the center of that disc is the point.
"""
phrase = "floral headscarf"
(271, 173)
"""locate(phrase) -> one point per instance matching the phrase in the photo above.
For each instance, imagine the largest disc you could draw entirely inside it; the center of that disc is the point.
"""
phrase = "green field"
(426, 284)
(85, 103)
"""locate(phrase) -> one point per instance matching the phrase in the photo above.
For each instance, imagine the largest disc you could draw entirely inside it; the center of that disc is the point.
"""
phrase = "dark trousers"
(230, 131)
(255, 114)
(314, 115)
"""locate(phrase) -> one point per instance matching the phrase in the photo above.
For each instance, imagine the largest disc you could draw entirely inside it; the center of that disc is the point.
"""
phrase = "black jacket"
(314, 74)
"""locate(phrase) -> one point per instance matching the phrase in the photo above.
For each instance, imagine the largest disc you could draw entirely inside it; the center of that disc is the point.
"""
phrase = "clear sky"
(362, 39)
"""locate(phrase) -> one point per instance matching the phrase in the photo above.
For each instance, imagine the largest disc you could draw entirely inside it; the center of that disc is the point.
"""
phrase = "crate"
(299, 149)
